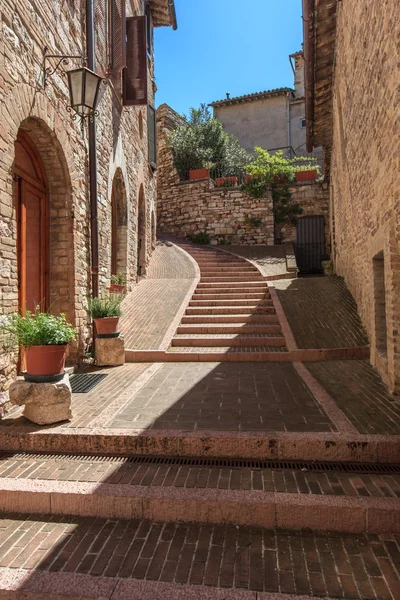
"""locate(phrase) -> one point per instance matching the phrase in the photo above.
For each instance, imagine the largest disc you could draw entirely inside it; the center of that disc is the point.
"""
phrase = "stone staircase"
(231, 311)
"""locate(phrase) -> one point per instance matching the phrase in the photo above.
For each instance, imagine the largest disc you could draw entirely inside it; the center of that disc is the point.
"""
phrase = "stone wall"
(314, 200)
(62, 144)
(365, 174)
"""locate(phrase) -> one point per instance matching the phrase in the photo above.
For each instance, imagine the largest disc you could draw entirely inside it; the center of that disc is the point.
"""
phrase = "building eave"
(164, 13)
(252, 97)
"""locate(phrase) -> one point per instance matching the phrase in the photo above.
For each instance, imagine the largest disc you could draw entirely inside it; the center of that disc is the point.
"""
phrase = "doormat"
(81, 383)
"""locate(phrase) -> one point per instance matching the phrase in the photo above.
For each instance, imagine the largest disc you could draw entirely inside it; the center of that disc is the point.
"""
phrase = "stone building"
(352, 108)
(61, 238)
(273, 119)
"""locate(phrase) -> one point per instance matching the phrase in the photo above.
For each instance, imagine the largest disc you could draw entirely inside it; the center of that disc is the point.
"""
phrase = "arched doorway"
(141, 233)
(119, 226)
(32, 200)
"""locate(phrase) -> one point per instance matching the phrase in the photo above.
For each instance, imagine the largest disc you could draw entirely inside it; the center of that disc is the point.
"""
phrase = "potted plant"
(105, 312)
(306, 173)
(226, 181)
(44, 338)
(118, 283)
(195, 174)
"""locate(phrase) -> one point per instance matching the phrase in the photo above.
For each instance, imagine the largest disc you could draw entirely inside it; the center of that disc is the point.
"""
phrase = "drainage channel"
(228, 463)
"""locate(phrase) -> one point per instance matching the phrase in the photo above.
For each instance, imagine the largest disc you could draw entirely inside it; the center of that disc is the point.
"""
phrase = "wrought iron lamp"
(83, 85)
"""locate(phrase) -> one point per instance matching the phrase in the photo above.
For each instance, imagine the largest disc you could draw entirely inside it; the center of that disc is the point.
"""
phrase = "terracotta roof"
(163, 13)
(252, 97)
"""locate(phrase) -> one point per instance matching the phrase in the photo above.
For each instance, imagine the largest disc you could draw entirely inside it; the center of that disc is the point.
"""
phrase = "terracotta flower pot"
(106, 325)
(199, 174)
(222, 181)
(310, 175)
(45, 360)
(117, 288)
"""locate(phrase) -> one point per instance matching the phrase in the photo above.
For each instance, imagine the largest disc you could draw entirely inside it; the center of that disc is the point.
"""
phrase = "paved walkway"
(270, 260)
(150, 309)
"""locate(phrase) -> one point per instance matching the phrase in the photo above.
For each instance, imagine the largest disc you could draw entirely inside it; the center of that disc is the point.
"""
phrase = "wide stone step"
(231, 285)
(260, 292)
(229, 328)
(230, 310)
(239, 318)
(222, 263)
(226, 302)
(229, 279)
(229, 353)
(256, 297)
(253, 493)
(228, 340)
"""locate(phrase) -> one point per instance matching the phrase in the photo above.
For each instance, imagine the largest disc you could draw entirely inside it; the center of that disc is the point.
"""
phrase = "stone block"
(45, 403)
(110, 352)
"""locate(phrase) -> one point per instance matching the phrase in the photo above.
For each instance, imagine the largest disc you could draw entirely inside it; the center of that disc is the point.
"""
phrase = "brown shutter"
(101, 35)
(151, 135)
(118, 34)
(135, 74)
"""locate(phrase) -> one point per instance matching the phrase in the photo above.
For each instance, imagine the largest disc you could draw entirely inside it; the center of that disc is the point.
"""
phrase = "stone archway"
(119, 226)
(141, 233)
(55, 248)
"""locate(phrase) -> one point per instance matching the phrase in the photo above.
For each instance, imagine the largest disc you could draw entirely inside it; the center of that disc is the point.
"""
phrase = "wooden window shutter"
(152, 134)
(118, 35)
(135, 74)
(101, 36)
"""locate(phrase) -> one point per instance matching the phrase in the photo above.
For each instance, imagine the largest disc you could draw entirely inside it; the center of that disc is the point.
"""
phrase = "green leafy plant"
(118, 279)
(253, 221)
(255, 187)
(286, 210)
(39, 329)
(201, 237)
(108, 305)
(272, 168)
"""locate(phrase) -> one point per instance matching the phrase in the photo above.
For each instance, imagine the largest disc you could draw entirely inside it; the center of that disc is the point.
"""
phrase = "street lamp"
(84, 86)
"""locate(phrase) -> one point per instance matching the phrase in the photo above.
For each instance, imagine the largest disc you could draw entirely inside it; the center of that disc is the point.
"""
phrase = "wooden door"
(32, 233)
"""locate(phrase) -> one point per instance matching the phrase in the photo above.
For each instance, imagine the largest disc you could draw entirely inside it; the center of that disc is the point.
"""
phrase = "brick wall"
(365, 175)
(26, 29)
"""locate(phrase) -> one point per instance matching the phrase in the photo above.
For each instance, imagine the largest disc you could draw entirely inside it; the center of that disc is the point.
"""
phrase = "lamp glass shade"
(83, 90)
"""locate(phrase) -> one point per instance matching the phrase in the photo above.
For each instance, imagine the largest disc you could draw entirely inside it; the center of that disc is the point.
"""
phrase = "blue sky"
(224, 46)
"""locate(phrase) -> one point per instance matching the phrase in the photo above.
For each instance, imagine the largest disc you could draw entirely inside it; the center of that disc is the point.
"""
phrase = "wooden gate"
(310, 244)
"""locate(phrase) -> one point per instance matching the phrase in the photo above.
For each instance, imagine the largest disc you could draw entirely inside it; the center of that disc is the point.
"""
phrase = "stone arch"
(119, 225)
(141, 233)
(60, 259)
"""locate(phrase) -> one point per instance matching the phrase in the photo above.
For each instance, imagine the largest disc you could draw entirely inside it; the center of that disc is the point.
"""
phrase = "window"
(151, 135)
(149, 30)
(117, 35)
(135, 74)
(380, 303)
(303, 123)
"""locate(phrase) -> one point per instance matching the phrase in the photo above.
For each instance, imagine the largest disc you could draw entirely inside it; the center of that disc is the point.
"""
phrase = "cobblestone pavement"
(228, 397)
(151, 307)
(271, 260)
(118, 471)
(321, 312)
(360, 394)
(220, 556)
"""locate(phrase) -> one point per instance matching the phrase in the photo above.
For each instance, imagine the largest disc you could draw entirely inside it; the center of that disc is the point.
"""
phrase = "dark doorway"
(310, 244)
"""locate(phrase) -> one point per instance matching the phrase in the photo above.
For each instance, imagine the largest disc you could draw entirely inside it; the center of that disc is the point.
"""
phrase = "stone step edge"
(271, 445)
(305, 355)
(269, 510)
(22, 584)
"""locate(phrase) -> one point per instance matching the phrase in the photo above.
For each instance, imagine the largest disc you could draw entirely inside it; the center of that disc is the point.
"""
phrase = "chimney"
(299, 74)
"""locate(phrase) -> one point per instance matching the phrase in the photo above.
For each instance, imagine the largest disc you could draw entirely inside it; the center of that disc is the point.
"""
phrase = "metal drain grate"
(81, 383)
(221, 463)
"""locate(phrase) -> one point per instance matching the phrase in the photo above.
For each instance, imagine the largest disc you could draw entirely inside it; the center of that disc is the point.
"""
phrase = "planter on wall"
(107, 325)
(302, 176)
(226, 181)
(116, 288)
(45, 361)
(199, 174)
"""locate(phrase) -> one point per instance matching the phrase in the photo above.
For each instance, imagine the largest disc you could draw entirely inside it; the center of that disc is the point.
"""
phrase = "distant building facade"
(273, 119)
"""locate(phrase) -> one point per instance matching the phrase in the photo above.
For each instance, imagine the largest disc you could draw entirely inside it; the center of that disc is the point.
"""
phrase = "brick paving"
(227, 397)
(151, 307)
(359, 392)
(218, 556)
(271, 260)
(119, 471)
(321, 313)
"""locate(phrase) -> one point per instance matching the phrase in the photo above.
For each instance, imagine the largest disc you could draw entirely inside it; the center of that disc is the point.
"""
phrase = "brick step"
(242, 318)
(263, 496)
(229, 328)
(229, 354)
(227, 270)
(262, 291)
(229, 279)
(80, 558)
(232, 285)
(228, 340)
(226, 302)
(255, 296)
(229, 310)
(222, 263)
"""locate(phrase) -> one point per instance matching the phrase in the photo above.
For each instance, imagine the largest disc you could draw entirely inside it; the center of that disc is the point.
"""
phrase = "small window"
(303, 123)
(149, 30)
